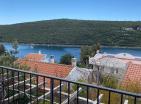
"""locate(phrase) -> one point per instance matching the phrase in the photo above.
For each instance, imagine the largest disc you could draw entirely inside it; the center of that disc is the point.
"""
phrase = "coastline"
(121, 47)
(53, 45)
(73, 46)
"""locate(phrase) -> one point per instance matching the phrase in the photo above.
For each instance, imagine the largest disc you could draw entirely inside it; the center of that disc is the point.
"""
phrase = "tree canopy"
(88, 51)
(66, 59)
(2, 49)
(73, 32)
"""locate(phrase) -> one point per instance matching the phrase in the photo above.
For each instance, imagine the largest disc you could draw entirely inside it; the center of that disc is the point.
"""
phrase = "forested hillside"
(73, 32)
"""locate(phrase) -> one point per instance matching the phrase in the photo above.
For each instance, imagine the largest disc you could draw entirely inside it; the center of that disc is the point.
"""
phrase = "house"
(132, 28)
(80, 74)
(128, 29)
(36, 64)
(122, 65)
(71, 72)
(132, 75)
(36, 57)
(139, 28)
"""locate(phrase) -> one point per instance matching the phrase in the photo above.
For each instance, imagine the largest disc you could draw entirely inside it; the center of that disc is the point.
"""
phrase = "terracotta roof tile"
(34, 62)
(57, 70)
(35, 57)
(133, 74)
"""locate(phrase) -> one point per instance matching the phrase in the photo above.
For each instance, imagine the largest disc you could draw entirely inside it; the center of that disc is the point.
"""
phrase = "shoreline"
(121, 47)
(73, 46)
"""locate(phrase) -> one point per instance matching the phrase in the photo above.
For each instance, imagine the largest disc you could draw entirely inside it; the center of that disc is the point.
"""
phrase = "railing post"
(109, 99)
(2, 86)
(13, 82)
(24, 86)
(77, 94)
(44, 86)
(68, 92)
(97, 96)
(30, 88)
(37, 89)
(8, 84)
(51, 90)
(135, 100)
(87, 94)
(60, 97)
(121, 100)
(18, 85)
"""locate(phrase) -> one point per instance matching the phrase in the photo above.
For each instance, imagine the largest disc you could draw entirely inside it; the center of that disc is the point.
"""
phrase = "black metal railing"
(24, 87)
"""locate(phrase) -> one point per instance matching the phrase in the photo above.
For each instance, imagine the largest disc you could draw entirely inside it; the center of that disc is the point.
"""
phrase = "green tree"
(88, 51)
(7, 59)
(15, 47)
(66, 59)
(2, 49)
(85, 54)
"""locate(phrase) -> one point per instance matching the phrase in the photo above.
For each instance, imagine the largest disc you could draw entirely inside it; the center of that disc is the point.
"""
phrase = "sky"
(17, 11)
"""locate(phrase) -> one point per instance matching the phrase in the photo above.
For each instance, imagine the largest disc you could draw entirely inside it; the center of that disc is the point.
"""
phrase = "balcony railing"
(24, 87)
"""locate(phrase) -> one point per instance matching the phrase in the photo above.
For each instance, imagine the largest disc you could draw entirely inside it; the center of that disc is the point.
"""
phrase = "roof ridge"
(131, 63)
(46, 63)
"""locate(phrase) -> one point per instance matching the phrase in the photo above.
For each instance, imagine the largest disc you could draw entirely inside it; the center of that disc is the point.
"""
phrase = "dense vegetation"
(6, 58)
(73, 32)
(86, 52)
(66, 59)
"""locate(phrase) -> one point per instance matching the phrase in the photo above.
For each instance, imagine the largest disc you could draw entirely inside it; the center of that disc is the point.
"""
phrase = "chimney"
(74, 62)
(97, 51)
(39, 52)
(52, 59)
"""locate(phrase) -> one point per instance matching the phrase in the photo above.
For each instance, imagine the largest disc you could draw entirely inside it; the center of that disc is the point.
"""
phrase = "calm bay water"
(25, 49)
(57, 51)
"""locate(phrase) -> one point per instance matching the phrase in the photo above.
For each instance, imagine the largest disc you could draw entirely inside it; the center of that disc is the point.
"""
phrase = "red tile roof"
(50, 69)
(35, 57)
(133, 74)
(57, 70)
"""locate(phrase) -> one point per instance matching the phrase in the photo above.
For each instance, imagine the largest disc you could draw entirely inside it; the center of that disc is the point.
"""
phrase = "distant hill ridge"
(74, 32)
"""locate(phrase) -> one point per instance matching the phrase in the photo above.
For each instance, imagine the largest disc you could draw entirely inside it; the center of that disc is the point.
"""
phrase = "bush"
(110, 81)
(66, 59)
(2, 49)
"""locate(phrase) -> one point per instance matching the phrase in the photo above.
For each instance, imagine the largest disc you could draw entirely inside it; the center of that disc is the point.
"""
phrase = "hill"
(73, 32)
